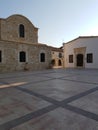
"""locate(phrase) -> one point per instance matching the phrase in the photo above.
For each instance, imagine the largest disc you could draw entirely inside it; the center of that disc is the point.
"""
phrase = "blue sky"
(58, 20)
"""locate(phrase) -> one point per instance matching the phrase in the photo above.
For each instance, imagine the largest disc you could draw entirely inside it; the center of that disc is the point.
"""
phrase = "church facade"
(81, 52)
(19, 47)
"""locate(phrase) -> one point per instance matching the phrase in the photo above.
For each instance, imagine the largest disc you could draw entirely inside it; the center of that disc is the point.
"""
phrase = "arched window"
(60, 55)
(22, 56)
(21, 30)
(0, 56)
(42, 57)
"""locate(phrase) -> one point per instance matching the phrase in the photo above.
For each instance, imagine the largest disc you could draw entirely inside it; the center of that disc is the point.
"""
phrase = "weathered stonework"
(57, 57)
(10, 29)
(11, 45)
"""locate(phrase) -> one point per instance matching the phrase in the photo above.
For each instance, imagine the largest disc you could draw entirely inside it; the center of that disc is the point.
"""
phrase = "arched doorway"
(59, 63)
(53, 62)
(80, 60)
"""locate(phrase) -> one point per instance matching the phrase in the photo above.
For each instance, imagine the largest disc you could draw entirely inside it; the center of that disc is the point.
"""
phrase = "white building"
(81, 52)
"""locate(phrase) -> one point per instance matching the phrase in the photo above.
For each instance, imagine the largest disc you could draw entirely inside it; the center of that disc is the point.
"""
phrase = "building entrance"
(80, 60)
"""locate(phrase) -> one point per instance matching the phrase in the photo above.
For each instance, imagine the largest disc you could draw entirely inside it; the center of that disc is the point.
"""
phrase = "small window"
(21, 30)
(70, 58)
(90, 58)
(42, 57)
(0, 56)
(22, 56)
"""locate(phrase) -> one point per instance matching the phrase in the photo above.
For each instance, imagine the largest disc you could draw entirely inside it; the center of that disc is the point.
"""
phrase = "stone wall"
(10, 56)
(10, 29)
(12, 43)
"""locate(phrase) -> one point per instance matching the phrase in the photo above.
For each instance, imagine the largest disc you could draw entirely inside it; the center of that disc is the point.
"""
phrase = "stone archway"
(80, 60)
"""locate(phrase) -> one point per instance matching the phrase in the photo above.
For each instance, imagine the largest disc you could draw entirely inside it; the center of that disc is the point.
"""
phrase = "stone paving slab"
(55, 75)
(83, 78)
(15, 103)
(59, 119)
(59, 89)
(89, 102)
(55, 99)
(26, 79)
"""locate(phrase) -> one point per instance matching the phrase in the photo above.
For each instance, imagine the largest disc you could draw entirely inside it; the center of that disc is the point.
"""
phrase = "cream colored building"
(19, 47)
(81, 52)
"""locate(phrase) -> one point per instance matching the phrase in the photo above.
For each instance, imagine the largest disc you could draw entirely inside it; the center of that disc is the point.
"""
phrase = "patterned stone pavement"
(58, 99)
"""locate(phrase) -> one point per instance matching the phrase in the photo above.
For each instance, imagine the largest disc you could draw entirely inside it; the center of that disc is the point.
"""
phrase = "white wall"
(91, 44)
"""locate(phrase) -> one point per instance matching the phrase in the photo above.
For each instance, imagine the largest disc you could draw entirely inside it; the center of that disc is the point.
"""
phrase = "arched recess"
(79, 59)
(22, 56)
(42, 57)
(21, 30)
(59, 62)
(53, 62)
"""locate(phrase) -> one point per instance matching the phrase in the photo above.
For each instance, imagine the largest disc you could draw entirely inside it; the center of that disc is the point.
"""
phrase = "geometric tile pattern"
(61, 98)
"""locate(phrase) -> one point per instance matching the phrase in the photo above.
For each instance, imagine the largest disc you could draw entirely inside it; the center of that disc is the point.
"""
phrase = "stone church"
(19, 47)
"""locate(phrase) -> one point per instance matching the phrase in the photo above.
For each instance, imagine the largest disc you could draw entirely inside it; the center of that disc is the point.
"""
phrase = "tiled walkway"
(59, 99)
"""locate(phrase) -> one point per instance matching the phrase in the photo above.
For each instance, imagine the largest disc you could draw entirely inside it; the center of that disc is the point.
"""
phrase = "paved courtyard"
(58, 99)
